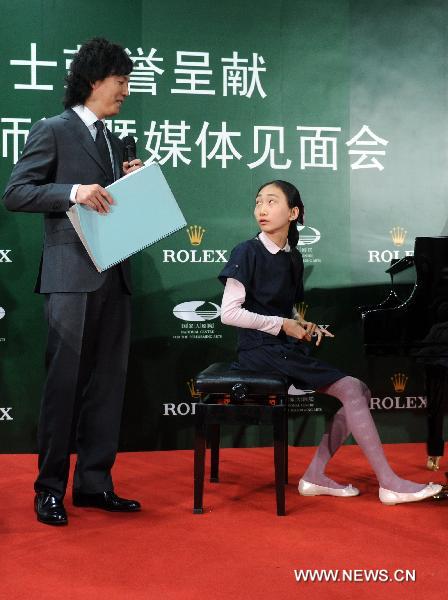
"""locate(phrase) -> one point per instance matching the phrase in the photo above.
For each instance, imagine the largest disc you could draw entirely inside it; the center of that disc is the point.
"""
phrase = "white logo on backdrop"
(4, 256)
(4, 414)
(197, 310)
(308, 235)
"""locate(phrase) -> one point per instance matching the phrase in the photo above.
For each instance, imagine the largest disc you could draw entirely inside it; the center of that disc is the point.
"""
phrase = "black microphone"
(130, 150)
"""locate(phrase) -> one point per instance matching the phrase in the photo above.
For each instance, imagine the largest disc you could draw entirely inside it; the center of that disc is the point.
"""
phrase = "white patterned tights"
(354, 417)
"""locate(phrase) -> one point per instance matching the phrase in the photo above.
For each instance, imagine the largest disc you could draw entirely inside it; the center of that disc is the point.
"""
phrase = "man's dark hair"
(95, 60)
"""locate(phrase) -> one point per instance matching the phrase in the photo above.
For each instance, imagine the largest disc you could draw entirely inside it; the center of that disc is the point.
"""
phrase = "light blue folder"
(145, 212)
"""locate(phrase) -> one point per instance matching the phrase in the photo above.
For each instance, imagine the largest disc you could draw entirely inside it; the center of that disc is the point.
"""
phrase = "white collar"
(86, 115)
(272, 246)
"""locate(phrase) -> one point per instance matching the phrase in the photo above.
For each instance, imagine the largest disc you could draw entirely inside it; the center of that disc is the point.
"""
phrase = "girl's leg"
(355, 397)
(332, 439)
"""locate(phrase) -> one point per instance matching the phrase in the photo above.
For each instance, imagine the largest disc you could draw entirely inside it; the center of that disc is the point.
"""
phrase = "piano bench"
(231, 395)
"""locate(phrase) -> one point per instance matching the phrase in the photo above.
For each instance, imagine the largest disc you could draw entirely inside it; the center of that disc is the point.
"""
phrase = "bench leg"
(199, 459)
(278, 422)
(214, 436)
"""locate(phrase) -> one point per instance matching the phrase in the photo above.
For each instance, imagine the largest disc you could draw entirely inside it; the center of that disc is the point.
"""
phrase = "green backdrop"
(346, 99)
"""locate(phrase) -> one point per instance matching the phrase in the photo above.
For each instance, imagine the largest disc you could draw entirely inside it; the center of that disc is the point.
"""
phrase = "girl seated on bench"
(263, 280)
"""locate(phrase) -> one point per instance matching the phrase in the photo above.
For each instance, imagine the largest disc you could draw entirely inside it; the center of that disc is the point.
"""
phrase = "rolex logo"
(4, 256)
(398, 235)
(195, 233)
(399, 381)
(5, 414)
(301, 308)
(192, 389)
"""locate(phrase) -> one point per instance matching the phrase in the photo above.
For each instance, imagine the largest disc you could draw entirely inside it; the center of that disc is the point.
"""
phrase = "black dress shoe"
(49, 509)
(106, 501)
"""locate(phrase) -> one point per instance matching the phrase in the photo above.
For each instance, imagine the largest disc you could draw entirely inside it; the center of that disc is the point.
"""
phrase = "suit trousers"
(86, 362)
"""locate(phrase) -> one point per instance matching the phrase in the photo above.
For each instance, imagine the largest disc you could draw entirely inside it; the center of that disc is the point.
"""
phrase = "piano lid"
(414, 323)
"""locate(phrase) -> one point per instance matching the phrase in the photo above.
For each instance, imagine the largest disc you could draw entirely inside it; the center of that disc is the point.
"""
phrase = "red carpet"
(239, 549)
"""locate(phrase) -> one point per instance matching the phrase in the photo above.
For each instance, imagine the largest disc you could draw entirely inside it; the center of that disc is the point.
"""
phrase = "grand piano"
(412, 321)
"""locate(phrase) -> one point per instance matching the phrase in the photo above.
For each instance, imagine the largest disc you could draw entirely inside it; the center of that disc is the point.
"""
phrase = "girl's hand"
(306, 330)
(292, 328)
(320, 332)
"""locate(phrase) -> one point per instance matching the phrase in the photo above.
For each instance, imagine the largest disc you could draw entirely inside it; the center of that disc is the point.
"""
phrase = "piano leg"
(433, 463)
(437, 394)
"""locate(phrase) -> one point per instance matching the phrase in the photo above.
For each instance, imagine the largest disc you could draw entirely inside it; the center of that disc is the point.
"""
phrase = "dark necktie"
(103, 150)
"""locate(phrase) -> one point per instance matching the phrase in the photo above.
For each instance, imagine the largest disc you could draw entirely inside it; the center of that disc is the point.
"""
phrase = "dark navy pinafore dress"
(273, 284)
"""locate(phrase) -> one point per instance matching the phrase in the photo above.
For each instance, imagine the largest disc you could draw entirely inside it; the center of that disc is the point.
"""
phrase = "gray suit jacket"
(60, 152)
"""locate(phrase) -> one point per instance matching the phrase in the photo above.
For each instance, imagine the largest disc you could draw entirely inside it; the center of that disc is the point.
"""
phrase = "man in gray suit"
(70, 159)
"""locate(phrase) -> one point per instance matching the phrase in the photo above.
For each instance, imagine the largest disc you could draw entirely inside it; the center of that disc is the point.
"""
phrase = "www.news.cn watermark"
(355, 575)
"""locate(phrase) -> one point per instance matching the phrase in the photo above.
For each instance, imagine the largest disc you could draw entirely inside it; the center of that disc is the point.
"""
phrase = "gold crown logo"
(301, 308)
(192, 389)
(398, 235)
(195, 233)
(399, 381)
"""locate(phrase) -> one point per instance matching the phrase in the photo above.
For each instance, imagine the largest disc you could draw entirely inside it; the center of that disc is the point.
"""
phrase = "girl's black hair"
(94, 61)
(293, 197)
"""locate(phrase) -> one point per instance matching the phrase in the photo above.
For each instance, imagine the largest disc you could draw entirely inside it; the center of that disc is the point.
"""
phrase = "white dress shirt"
(89, 119)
